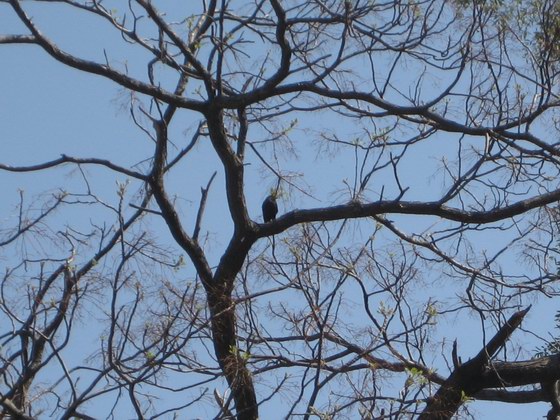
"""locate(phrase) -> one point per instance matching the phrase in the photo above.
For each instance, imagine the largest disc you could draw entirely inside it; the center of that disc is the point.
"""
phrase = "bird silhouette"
(269, 208)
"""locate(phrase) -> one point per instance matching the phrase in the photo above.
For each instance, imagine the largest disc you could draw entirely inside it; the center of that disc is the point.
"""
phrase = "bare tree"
(413, 148)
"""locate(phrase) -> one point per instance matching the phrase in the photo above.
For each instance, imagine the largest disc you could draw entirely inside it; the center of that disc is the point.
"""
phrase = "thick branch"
(229, 357)
(514, 397)
(543, 369)
(355, 210)
(175, 226)
(468, 379)
(387, 108)
(233, 168)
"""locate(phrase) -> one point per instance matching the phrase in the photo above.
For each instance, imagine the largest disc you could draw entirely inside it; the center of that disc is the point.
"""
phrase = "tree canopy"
(413, 149)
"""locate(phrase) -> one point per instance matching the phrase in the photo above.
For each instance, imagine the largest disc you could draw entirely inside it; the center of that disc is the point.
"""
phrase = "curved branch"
(103, 70)
(68, 159)
(185, 49)
(233, 168)
(389, 109)
(355, 210)
(286, 51)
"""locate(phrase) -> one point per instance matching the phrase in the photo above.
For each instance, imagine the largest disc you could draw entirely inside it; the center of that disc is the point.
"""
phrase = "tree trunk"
(233, 365)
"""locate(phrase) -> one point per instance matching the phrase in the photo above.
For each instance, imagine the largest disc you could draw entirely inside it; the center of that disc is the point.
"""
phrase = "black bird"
(269, 208)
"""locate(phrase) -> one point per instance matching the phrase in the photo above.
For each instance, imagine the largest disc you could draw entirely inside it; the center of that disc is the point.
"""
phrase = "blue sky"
(47, 110)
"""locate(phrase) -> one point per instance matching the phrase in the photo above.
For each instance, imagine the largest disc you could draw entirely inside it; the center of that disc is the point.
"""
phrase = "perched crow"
(269, 208)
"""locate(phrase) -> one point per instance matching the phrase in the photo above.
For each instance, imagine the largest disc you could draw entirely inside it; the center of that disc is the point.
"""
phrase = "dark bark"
(477, 377)
(302, 80)
(469, 378)
(222, 308)
(354, 209)
(230, 360)
(552, 392)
